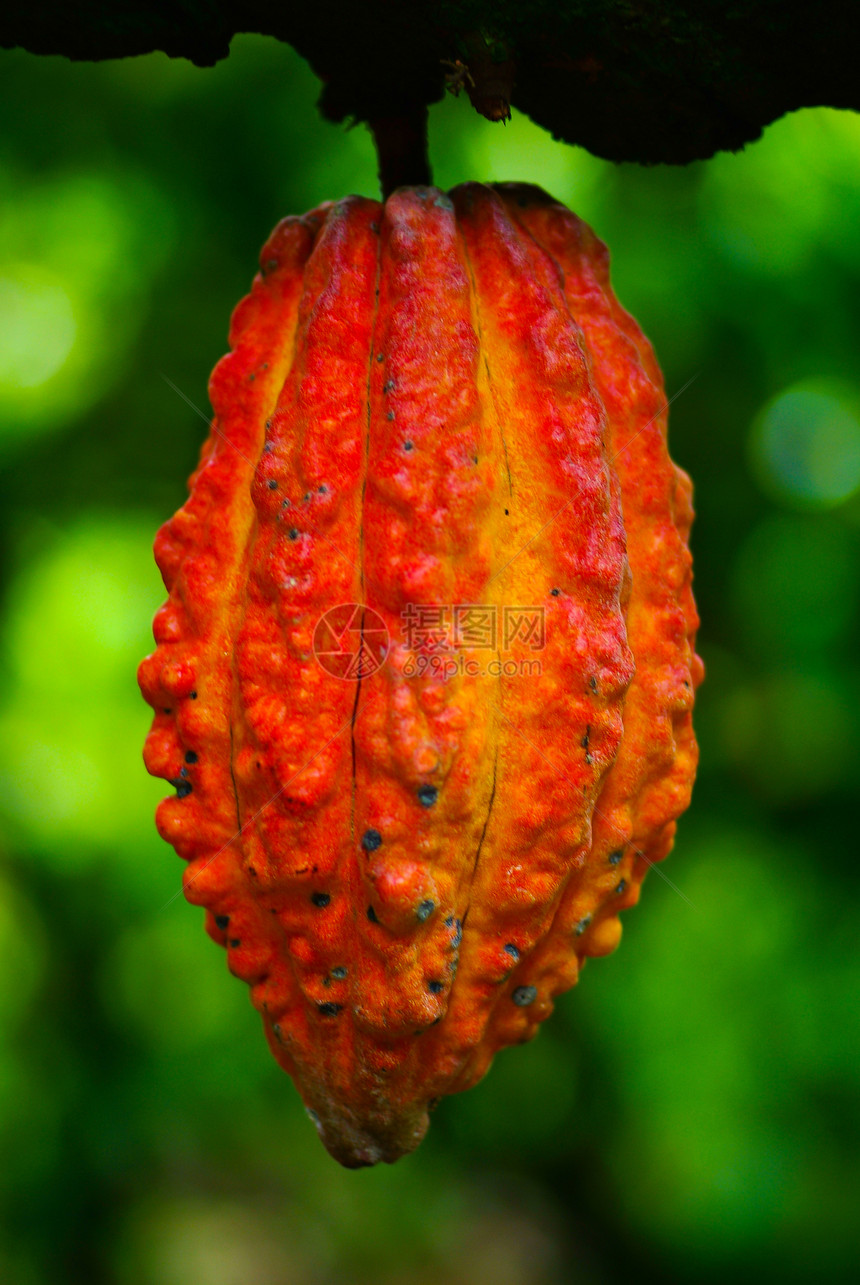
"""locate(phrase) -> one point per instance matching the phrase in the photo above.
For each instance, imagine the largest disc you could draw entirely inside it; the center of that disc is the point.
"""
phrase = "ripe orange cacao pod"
(423, 683)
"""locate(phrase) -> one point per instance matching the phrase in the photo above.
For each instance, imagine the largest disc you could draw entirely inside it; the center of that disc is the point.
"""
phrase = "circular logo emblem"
(351, 641)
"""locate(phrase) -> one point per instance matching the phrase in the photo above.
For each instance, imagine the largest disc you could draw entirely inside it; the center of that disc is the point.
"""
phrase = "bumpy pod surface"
(424, 680)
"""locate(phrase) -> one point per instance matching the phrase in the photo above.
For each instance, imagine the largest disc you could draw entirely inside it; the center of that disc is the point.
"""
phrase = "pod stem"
(401, 149)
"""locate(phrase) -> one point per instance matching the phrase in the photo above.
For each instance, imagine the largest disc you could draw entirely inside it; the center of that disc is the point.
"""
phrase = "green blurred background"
(692, 1109)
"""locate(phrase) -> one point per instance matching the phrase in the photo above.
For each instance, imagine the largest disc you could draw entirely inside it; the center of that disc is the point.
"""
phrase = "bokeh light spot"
(71, 716)
(805, 447)
(769, 208)
(78, 254)
(39, 328)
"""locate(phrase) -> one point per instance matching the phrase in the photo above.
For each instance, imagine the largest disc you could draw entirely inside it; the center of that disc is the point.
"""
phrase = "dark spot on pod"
(234, 943)
(555, 592)
(582, 925)
(511, 949)
(621, 886)
(277, 1029)
(615, 857)
(251, 378)
(272, 484)
(435, 988)
(457, 935)
(436, 1020)
(323, 489)
(192, 696)
(338, 973)
(307, 496)
(293, 533)
(190, 757)
(507, 512)
(474, 459)
(371, 914)
(320, 898)
(425, 910)
(374, 227)
(264, 365)
(267, 450)
(524, 995)
(183, 772)
(182, 787)
(285, 504)
(270, 265)
(380, 356)
(427, 795)
(388, 386)
(328, 1009)
(268, 423)
(371, 840)
(252, 872)
(222, 921)
(165, 710)
(312, 1115)
(407, 446)
(390, 415)
(592, 682)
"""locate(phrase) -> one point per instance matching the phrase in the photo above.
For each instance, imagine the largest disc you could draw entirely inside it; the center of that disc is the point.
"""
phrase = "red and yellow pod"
(434, 417)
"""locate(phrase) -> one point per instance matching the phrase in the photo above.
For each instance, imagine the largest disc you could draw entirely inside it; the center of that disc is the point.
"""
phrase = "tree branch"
(631, 80)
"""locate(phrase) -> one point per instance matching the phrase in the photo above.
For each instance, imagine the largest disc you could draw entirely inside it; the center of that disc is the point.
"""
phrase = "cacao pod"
(433, 405)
